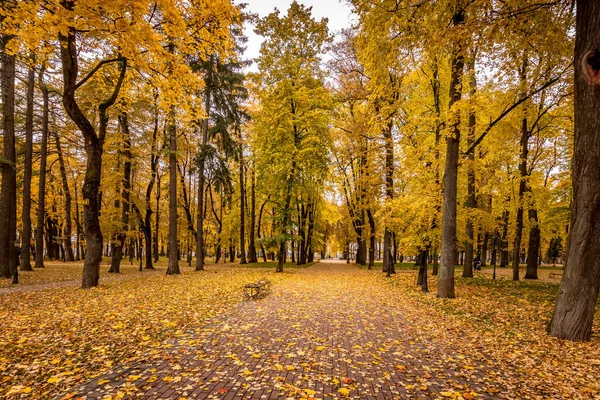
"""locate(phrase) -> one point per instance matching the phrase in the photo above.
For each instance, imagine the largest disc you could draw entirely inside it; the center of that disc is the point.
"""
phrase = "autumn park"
(300, 199)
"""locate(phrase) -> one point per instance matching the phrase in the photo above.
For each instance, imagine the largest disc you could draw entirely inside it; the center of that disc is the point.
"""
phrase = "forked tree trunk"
(574, 311)
(446, 271)
(93, 148)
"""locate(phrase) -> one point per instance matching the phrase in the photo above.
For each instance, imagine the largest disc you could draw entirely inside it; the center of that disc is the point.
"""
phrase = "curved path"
(329, 331)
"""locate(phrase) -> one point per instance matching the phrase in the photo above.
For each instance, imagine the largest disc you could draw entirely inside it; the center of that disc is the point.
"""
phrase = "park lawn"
(57, 338)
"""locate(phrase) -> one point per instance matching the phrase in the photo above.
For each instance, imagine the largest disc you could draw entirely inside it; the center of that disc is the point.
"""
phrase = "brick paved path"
(331, 331)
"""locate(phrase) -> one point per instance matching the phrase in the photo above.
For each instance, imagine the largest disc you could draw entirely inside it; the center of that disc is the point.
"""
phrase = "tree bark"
(173, 267)
(471, 199)
(523, 185)
(242, 210)
(574, 311)
(389, 195)
(8, 194)
(27, 172)
(157, 220)
(93, 148)
(371, 239)
(252, 258)
(533, 248)
(201, 179)
(117, 250)
(446, 271)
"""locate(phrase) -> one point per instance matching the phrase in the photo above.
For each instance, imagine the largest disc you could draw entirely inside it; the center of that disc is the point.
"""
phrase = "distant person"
(477, 263)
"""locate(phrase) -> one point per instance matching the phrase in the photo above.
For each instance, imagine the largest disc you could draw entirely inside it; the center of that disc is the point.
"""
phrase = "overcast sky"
(337, 11)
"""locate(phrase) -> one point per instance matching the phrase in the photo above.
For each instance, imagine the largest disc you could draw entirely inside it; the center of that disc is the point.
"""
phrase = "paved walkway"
(331, 331)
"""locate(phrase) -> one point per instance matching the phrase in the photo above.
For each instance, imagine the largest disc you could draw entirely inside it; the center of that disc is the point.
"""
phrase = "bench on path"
(555, 274)
(257, 290)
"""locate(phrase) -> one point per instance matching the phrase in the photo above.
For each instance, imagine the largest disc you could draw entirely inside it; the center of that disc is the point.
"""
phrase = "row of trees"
(435, 128)
(455, 134)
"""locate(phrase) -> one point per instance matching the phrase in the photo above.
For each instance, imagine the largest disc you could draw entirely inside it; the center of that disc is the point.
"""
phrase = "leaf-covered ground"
(328, 331)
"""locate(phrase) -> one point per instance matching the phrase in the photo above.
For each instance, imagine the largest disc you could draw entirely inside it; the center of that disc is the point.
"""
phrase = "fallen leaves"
(57, 338)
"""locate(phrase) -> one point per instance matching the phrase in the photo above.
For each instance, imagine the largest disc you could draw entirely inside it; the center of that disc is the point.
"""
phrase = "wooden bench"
(555, 274)
(257, 290)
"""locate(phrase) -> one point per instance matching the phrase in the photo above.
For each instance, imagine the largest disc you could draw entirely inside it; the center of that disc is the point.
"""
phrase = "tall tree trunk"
(484, 246)
(78, 249)
(252, 258)
(117, 254)
(68, 247)
(242, 210)
(27, 172)
(389, 195)
(371, 239)
(8, 194)
(258, 231)
(201, 179)
(286, 217)
(446, 271)
(574, 311)
(157, 219)
(471, 199)
(173, 267)
(533, 248)
(41, 208)
(523, 185)
(93, 148)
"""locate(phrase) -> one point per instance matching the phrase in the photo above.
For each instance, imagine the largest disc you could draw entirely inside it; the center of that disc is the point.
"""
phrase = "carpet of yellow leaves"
(508, 320)
(55, 337)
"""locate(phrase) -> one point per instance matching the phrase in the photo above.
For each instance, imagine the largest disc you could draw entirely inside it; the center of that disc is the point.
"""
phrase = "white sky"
(337, 11)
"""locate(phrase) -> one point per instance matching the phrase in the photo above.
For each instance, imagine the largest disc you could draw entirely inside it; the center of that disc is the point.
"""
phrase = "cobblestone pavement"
(332, 331)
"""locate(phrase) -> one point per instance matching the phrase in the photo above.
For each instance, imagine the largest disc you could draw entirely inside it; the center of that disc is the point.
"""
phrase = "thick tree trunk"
(27, 172)
(93, 149)
(446, 271)
(574, 312)
(8, 196)
(173, 267)
(68, 247)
